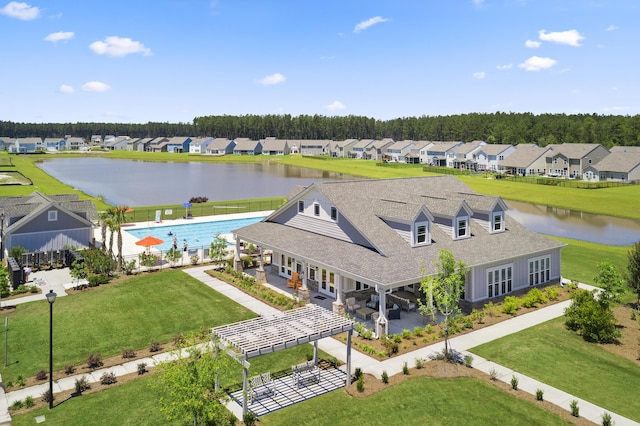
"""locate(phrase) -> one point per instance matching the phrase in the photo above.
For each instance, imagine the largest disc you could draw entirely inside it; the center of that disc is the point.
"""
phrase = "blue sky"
(172, 60)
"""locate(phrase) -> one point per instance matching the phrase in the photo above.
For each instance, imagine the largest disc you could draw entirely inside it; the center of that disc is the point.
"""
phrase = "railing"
(566, 183)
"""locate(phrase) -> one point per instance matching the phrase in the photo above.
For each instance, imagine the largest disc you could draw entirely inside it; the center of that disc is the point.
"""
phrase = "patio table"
(364, 313)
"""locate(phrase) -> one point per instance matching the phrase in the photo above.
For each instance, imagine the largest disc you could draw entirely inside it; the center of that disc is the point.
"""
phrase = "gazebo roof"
(267, 334)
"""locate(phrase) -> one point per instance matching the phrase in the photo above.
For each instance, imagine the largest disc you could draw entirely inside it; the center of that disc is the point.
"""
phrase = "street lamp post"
(51, 297)
(2, 235)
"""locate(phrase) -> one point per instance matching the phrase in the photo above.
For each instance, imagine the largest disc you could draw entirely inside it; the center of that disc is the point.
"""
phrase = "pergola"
(284, 330)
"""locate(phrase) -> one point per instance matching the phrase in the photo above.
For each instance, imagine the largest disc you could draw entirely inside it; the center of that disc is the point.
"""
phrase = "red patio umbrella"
(149, 241)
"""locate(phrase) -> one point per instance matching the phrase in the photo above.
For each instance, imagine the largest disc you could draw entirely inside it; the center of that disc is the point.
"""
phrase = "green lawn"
(420, 401)
(113, 317)
(135, 403)
(560, 358)
(580, 259)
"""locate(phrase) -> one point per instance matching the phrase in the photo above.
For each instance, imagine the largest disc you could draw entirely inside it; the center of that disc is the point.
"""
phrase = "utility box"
(16, 273)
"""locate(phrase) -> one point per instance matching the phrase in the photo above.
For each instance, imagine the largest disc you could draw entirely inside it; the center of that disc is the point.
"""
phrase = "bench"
(305, 372)
(404, 303)
(260, 386)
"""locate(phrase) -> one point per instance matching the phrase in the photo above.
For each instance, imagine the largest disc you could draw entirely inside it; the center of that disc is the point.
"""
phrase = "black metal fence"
(566, 183)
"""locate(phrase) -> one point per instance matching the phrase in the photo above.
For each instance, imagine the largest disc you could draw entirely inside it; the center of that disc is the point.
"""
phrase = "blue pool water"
(196, 235)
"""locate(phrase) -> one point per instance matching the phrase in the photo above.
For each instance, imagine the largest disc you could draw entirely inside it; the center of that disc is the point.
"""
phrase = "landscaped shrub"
(41, 375)
(142, 368)
(96, 280)
(468, 361)
(360, 384)
(575, 410)
(358, 373)
(465, 321)
(397, 338)
(493, 374)
(108, 378)
(490, 309)
(407, 334)
(533, 298)
(18, 404)
(194, 259)
(477, 315)
(593, 319)
(419, 363)
(28, 402)
(385, 377)
(196, 200)
(552, 292)
(539, 394)
(20, 381)
(429, 329)
(514, 383)
(47, 396)
(390, 345)
(405, 368)
(333, 362)
(154, 346)
(179, 340)
(128, 353)
(81, 385)
(249, 419)
(94, 361)
(606, 419)
(129, 266)
(510, 305)
(418, 332)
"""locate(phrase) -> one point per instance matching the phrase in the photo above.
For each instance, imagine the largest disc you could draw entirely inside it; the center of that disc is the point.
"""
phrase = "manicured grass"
(135, 403)
(560, 358)
(460, 401)
(113, 317)
(580, 259)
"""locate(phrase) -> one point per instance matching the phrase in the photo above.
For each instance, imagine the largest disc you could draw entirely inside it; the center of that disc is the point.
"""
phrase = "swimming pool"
(196, 235)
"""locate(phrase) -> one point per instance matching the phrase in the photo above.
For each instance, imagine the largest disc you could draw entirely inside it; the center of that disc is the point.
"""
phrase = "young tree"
(633, 270)
(173, 256)
(218, 248)
(611, 282)
(445, 289)
(592, 317)
(188, 384)
(78, 270)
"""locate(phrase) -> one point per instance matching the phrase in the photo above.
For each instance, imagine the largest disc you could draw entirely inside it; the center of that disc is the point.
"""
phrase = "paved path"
(337, 349)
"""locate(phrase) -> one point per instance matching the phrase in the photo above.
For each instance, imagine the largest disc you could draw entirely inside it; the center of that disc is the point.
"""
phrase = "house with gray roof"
(275, 146)
(315, 147)
(54, 144)
(142, 145)
(158, 145)
(178, 144)
(396, 151)
(246, 146)
(74, 144)
(413, 155)
(6, 142)
(438, 152)
(350, 236)
(220, 146)
(571, 159)
(618, 166)
(41, 222)
(340, 149)
(489, 156)
(357, 150)
(463, 156)
(526, 160)
(26, 145)
(629, 149)
(120, 143)
(377, 150)
(199, 145)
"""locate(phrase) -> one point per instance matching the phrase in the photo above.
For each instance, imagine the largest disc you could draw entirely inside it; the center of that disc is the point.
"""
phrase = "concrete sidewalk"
(337, 349)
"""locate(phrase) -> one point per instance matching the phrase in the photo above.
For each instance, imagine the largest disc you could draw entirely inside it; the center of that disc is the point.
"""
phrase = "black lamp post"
(51, 297)
(1, 234)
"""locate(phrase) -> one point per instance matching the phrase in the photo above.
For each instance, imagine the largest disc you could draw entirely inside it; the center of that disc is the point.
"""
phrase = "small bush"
(360, 384)
(575, 410)
(108, 378)
(385, 377)
(534, 297)
(28, 402)
(129, 266)
(17, 405)
(539, 394)
(606, 419)
(418, 332)
(419, 363)
(490, 309)
(493, 374)
(194, 259)
(69, 369)
(407, 334)
(514, 383)
(154, 346)
(428, 329)
(552, 292)
(179, 340)
(333, 362)
(128, 353)
(249, 419)
(397, 338)
(309, 356)
(477, 316)
(81, 385)
(41, 375)
(390, 345)
(94, 361)
(358, 373)
(405, 368)
(142, 368)
(20, 381)
(468, 361)
(47, 396)
(510, 305)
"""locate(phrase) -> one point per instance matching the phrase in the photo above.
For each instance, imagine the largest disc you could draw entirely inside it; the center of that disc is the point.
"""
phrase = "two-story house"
(526, 160)
(220, 146)
(436, 153)
(357, 150)
(464, 156)
(571, 159)
(310, 147)
(396, 151)
(489, 156)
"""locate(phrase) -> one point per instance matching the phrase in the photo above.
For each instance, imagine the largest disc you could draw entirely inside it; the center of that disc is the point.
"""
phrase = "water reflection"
(574, 224)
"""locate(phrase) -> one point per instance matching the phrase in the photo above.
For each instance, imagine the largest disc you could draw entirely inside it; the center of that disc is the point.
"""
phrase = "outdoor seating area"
(260, 386)
(307, 372)
(295, 282)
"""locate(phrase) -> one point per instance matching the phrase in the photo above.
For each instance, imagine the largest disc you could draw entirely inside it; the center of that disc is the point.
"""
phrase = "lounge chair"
(351, 304)
(294, 282)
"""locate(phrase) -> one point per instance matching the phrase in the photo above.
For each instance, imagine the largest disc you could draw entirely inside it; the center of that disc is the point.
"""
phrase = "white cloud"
(613, 28)
(536, 63)
(478, 3)
(20, 10)
(614, 109)
(570, 37)
(504, 67)
(272, 79)
(60, 35)
(479, 75)
(118, 46)
(532, 44)
(95, 86)
(335, 106)
(66, 89)
(369, 22)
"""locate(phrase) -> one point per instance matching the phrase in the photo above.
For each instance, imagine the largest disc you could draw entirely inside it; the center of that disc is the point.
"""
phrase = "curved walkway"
(337, 349)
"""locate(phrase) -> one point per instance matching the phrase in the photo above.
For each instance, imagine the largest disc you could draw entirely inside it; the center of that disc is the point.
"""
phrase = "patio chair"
(294, 282)
(351, 304)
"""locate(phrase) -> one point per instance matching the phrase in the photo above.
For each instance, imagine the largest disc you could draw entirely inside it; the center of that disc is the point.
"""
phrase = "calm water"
(145, 183)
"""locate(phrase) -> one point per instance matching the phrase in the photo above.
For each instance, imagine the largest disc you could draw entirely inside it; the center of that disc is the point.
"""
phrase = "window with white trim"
(539, 270)
(316, 209)
(52, 215)
(421, 233)
(498, 222)
(499, 280)
(462, 227)
(334, 213)
(301, 206)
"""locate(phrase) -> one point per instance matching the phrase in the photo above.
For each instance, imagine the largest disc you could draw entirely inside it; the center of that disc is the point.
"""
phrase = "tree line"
(499, 127)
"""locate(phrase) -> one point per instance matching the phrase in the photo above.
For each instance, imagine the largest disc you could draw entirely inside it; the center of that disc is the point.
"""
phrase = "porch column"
(237, 262)
(261, 275)
(338, 305)
(245, 374)
(382, 325)
(349, 333)
(303, 293)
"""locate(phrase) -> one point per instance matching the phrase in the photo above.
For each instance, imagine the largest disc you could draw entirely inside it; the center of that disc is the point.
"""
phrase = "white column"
(339, 286)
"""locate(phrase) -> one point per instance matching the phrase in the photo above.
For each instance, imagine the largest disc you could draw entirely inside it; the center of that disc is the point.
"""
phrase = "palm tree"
(120, 218)
(104, 216)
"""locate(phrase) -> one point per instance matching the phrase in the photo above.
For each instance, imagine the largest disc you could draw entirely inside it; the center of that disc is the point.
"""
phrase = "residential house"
(143, 145)
(6, 142)
(438, 152)
(526, 160)
(274, 146)
(220, 146)
(178, 144)
(315, 147)
(75, 144)
(463, 156)
(54, 144)
(489, 156)
(41, 222)
(357, 150)
(396, 151)
(386, 235)
(376, 150)
(199, 145)
(571, 159)
(119, 143)
(246, 146)
(158, 145)
(26, 145)
(96, 140)
(618, 166)
(413, 156)
(340, 149)
(629, 149)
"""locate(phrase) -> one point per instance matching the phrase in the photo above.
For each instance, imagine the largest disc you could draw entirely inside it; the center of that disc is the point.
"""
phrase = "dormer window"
(334, 213)
(421, 233)
(498, 222)
(300, 206)
(52, 215)
(462, 228)
(316, 209)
